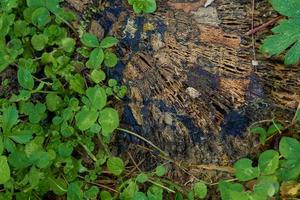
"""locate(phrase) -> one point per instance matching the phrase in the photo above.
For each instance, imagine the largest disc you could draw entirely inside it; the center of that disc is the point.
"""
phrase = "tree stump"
(193, 89)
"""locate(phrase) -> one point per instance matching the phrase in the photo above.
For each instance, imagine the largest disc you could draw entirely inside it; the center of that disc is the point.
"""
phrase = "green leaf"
(53, 102)
(129, 192)
(266, 186)
(34, 177)
(104, 195)
(268, 162)
(288, 8)
(35, 3)
(21, 136)
(96, 58)
(140, 196)
(68, 44)
(35, 112)
(289, 170)
(91, 193)
(274, 128)
(58, 186)
(1, 146)
(286, 34)
(4, 170)
(9, 119)
(146, 6)
(15, 48)
(85, 119)
(40, 17)
(21, 28)
(160, 170)
(8, 5)
(155, 193)
(200, 190)
(244, 170)
(65, 149)
(110, 59)
(77, 83)
(229, 190)
(98, 75)
(115, 165)
(108, 42)
(39, 41)
(109, 120)
(142, 178)
(74, 191)
(25, 78)
(290, 148)
(89, 40)
(97, 97)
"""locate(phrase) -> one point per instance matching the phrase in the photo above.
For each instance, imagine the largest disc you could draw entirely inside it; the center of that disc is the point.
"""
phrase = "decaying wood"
(184, 45)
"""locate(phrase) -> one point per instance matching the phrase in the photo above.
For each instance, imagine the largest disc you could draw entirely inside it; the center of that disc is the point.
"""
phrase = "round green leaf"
(104, 195)
(290, 148)
(53, 102)
(4, 170)
(85, 119)
(40, 17)
(65, 149)
(97, 97)
(268, 162)
(39, 42)
(142, 178)
(160, 170)
(200, 190)
(68, 44)
(108, 42)
(110, 59)
(25, 78)
(140, 196)
(244, 170)
(115, 165)
(109, 120)
(97, 76)
(89, 40)
(91, 193)
(96, 58)
(150, 6)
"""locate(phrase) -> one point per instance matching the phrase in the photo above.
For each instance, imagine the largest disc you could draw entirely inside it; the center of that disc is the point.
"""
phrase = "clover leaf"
(244, 170)
(109, 120)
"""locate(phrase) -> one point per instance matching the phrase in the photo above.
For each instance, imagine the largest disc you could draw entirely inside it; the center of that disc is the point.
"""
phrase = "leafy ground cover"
(55, 131)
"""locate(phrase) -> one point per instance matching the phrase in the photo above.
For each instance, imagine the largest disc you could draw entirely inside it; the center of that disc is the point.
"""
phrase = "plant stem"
(144, 139)
(162, 186)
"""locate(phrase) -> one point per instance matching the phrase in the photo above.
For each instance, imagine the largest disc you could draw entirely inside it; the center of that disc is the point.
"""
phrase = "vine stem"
(144, 139)
(98, 184)
(160, 185)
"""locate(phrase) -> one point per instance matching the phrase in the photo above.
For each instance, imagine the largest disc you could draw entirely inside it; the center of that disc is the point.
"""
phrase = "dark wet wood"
(193, 89)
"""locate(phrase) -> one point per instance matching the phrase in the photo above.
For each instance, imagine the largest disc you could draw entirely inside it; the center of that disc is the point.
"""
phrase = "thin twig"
(99, 185)
(263, 26)
(295, 116)
(144, 139)
(162, 186)
(136, 166)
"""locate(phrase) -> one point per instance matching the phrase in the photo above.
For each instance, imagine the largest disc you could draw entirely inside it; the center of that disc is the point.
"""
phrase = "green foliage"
(59, 112)
(273, 171)
(286, 34)
(146, 6)
(263, 133)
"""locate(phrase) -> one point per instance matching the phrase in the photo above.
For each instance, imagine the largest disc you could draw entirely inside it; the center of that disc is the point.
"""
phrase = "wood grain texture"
(184, 45)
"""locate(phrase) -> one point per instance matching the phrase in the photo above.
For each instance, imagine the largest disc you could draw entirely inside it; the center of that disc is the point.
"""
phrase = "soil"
(192, 88)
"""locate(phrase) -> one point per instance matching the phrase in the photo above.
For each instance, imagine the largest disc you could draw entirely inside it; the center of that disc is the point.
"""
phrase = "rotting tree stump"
(193, 89)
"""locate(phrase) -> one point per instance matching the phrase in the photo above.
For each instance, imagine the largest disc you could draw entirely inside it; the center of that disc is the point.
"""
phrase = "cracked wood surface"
(184, 47)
